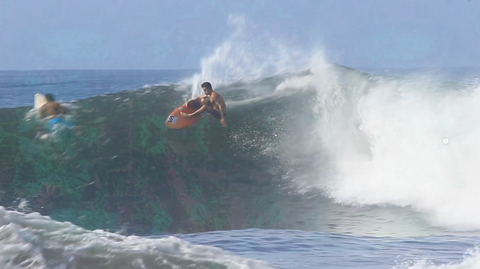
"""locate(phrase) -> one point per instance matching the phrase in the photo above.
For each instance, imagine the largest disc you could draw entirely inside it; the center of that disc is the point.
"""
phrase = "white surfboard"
(39, 100)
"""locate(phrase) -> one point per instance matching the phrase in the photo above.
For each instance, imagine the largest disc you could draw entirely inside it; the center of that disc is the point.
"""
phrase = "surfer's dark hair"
(207, 85)
(49, 97)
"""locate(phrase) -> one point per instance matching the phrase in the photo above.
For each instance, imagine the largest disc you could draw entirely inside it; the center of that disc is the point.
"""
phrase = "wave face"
(330, 148)
(120, 166)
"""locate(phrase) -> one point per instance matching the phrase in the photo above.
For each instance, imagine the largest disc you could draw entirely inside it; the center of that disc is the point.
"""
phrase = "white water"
(471, 260)
(403, 142)
(35, 241)
(246, 55)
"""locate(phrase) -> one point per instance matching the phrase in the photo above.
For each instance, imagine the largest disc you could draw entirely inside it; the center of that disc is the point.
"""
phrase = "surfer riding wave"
(212, 102)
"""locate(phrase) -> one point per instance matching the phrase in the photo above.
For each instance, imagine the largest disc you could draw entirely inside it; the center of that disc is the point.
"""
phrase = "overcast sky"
(177, 34)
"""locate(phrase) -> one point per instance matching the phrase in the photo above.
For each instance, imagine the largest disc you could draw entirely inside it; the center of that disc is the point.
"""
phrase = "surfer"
(52, 111)
(216, 105)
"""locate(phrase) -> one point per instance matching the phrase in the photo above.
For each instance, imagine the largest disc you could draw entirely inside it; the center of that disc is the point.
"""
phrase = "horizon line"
(84, 69)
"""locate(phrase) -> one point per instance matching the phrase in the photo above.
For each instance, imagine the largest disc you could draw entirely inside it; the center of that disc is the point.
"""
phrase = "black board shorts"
(215, 113)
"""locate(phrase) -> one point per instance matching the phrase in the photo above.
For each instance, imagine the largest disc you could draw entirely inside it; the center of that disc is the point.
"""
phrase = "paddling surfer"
(53, 111)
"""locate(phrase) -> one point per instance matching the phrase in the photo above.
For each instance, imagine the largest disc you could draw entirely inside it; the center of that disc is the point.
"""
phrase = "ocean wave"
(329, 131)
(35, 241)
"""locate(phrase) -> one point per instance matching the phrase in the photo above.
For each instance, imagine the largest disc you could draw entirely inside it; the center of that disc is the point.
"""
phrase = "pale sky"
(177, 34)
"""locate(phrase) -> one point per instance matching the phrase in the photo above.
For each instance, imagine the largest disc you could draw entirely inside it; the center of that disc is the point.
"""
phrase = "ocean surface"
(379, 167)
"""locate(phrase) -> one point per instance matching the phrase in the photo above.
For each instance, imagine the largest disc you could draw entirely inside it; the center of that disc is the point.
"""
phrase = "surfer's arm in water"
(61, 109)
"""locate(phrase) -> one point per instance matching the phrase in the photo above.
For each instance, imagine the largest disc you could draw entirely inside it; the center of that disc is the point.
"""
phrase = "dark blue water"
(18, 87)
(293, 248)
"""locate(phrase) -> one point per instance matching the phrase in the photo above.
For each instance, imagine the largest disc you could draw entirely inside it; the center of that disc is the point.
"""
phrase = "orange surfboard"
(176, 121)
